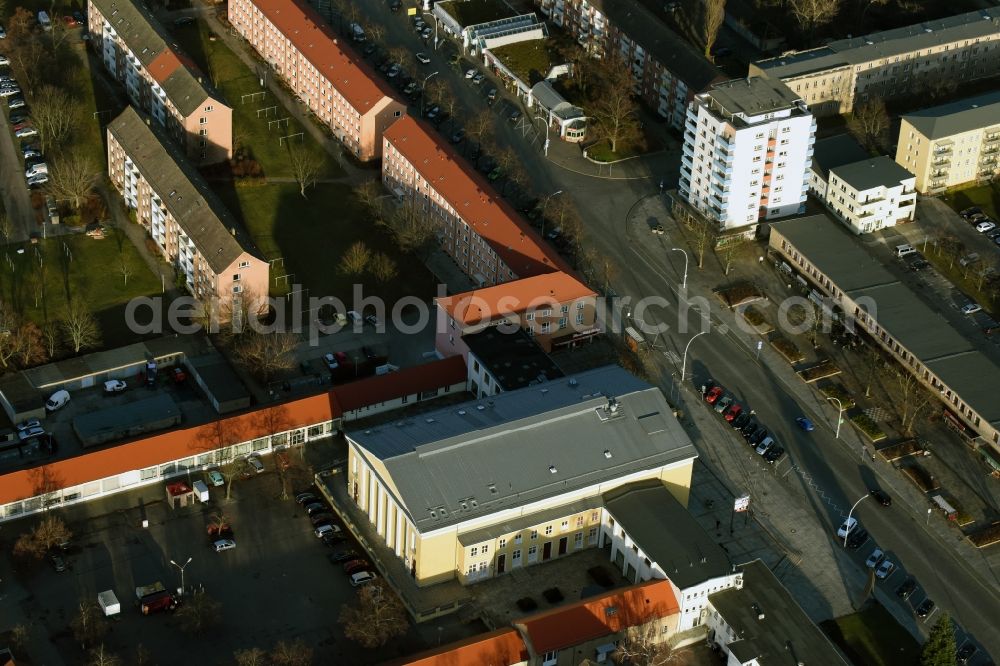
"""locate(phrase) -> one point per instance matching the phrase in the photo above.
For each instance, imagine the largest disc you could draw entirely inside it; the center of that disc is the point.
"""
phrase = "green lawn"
(235, 81)
(38, 282)
(530, 61)
(873, 637)
(986, 197)
(311, 235)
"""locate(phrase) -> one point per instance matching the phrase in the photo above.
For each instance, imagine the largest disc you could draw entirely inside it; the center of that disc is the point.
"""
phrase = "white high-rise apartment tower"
(748, 145)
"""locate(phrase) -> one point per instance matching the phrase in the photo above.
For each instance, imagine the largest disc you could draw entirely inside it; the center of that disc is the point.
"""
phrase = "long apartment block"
(160, 80)
(952, 144)
(667, 71)
(327, 76)
(748, 146)
(835, 77)
(478, 229)
(191, 227)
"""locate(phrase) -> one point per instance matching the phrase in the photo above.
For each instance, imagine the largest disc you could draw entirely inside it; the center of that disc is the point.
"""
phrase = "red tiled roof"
(164, 65)
(167, 446)
(503, 647)
(484, 305)
(608, 614)
(474, 199)
(407, 381)
(317, 41)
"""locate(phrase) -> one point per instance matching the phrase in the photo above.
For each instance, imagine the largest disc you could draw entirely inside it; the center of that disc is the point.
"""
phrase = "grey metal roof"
(667, 533)
(873, 172)
(952, 118)
(525, 521)
(899, 41)
(550, 98)
(513, 358)
(898, 310)
(670, 49)
(145, 36)
(835, 151)
(769, 624)
(215, 232)
(753, 96)
(469, 460)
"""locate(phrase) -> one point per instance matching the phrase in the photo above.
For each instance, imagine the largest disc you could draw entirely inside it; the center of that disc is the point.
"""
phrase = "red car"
(734, 410)
(355, 565)
(713, 394)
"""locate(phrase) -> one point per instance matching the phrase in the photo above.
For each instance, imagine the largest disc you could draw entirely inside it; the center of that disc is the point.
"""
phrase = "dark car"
(907, 588)
(969, 212)
(750, 430)
(441, 117)
(332, 539)
(967, 652)
(395, 6)
(321, 519)
(458, 135)
(857, 538)
(758, 437)
(356, 564)
(306, 498)
(370, 49)
(925, 608)
(314, 508)
(773, 454)
(58, 563)
(342, 556)
(18, 116)
(880, 496)
(184, 20)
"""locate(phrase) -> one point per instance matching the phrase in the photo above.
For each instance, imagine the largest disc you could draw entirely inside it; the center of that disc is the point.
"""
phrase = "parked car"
(330, 540)
(805, 424)
(215, 478)
(411, 87)
(457, 136)
(370, 49)
(925, 608)
(331, 361)
(514, 116)
(395, 6)
(305, 498)
(3, 33)
(857, 538)
(321, 519)
(326, 529)
(223, 544)
(343, 556)
(9, 91)
(30, 152)
(314, 507)
(478, 78)
(362, 578)
(875, 558)
(846, 527)
(885, 570)
(967, 652)
(741, 420)
(764, 445)
(394, 71)
(432, 112)
(16, 103)
(184, 20)
(57, 562)
(422, 58)
(971, 308)
(255, 463)
(734, 410)
(29, 424)
(880, 496)
(984, 226)
(355, 565)
(495, 174)
(773, 454)
(18, 117)
(57, 400)
(113, 386)
(25, 132)
(969, 212)
(906, 588)
(469, 73)
(713, 394)
(37, 180)
(28, 433)
(372, 320)
(759, 437)
(491, 96)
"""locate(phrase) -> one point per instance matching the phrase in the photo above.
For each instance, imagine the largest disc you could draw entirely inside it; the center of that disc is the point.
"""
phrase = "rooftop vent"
(573, 382)
(428, 420)
(607, 453)
(461, 412)
(552, 469)
(758, 610)
(480, 407)
(610, 611)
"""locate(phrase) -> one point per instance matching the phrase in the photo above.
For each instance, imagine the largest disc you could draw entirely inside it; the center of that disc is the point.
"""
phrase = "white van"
(904, 250)
(57, 400)
(44, 21)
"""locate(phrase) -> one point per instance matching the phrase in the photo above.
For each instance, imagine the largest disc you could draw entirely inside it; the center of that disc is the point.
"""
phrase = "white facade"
(874, 207)
(745, 161)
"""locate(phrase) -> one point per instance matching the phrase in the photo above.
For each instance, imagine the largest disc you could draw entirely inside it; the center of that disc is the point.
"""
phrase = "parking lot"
(296, 591)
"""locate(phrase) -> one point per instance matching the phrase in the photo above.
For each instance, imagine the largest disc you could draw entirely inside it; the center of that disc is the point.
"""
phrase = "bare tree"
(54, 113)
(713, 13)
(731, 250)
(435, 91)
(702, 236)
(812, 14)
(378, 618)
(143, 657)
(642, 645)
(614, 112)
(72, 176)
(80, 326)
(292, 653)
(369, 194)
(30, 345)
(413, 228)
(5, 226)
(869, 123)
(19, 633)
(305, 165)
(355, 261)
(401, 56)
(912, 398)
(50, 531)
(101, 656)
(250, 657)
(375, 30)
(89, 625)
(51, 338)
(199, 613)
(9, 324)
(481, 126)
(266, 354)
(383, 267)
(26, 59)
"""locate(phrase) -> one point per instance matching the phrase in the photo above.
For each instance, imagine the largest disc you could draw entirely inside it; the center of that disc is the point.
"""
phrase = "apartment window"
(530, 316)
(486, 548)
(532, 553)
(203, 120)
(579, 521)
(564, 526)
(203, 132)
(502, 544)
(594, 516)
(237, 289)
(517, 539)
(579, 305)
(244, 264)
(236, 277)
(562, 323)
(534, 534)
(208, 109)
(473, 551)
(548, 530)
(592, 535)
(579, 318)
(397, 114)
(516, 557)
(578, 540)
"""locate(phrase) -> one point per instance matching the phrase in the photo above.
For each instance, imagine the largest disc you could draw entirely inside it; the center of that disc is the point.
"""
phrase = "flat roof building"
(896, 318)
(505, 361)
(902, 61)
(830, 152)
(952, 144)
(872, 194)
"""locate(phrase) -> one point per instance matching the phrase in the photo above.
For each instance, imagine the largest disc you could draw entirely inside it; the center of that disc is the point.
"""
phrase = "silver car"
(223, 544)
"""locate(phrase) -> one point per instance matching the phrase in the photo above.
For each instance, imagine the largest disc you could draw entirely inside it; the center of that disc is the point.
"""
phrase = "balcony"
(724, 167)
(941, 161)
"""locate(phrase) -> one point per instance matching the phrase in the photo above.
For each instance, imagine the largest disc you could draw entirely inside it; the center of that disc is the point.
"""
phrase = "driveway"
(16, 200)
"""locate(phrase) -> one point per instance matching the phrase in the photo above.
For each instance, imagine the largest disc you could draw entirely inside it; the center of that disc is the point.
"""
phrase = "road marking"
(930, 615)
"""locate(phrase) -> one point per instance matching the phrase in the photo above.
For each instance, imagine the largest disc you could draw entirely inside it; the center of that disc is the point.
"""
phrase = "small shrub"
(754, 316)
(553, 595)
(527, 604)
(909, 447)
(838, 392)
(821, 370)
(736, 294)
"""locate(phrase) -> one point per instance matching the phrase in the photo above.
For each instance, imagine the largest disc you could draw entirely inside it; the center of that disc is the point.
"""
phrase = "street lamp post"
(423, 86)
(182, 567)
(684, 284)
(848, 532)
(545, 204)
(686, 347)
(435, 28)
(840, 415)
